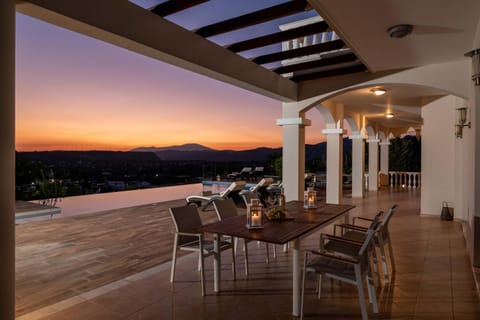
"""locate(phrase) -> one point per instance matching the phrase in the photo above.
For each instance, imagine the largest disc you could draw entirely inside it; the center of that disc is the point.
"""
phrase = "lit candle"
(256, 220)
(311, 200)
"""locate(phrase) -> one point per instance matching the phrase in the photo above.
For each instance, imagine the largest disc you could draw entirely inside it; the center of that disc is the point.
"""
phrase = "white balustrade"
(404, 179)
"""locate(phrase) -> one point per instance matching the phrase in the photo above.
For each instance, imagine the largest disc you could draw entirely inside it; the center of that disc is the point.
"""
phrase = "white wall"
(438, 156)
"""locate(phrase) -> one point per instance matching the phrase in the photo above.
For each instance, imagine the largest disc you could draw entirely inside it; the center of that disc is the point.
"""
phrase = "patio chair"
(187, 237)
(351, 270)
(257, 173)
(357, 233)
(260, 189)
(245, 173)
(335, 244)
(231, 191)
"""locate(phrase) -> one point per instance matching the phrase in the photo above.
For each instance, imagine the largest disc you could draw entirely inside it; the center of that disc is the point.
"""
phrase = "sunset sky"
(78, 93)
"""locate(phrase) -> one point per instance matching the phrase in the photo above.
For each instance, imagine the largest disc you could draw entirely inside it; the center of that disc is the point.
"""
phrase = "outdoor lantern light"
(461, 122)
(310, 198)
(254, 214)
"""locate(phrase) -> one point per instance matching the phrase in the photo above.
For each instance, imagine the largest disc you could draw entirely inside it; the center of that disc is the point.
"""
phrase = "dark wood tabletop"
(281, 231)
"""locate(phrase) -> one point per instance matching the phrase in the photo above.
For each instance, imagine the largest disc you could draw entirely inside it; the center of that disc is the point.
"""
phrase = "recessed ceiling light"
(389, 115)
(400, 30)
(379, 91)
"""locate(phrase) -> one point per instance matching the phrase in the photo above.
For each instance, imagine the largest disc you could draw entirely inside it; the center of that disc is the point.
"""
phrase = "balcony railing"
(404, 179)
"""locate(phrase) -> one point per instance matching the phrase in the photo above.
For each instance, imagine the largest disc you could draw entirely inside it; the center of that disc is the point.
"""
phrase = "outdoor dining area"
(429, 278)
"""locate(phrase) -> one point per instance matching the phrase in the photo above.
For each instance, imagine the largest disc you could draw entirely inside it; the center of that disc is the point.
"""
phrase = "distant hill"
(183, 147)
(201, 153)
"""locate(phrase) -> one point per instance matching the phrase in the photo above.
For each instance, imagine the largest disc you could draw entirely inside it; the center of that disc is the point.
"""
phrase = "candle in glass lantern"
(254, 214)
(310, 198)
(256, 220)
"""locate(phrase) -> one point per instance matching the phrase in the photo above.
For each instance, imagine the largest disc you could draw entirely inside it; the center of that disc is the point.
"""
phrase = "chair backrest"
(246, 170)
(389, 214)
(265, 182)
(186, 219)
(367, 246)
(225, 208)
(234, 186)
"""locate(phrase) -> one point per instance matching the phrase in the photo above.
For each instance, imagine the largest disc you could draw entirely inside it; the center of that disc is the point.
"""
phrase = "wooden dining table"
(300, 223)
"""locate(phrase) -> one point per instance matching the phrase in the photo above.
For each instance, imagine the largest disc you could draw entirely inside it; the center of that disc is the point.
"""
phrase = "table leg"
(296, 275)
(346, 218)
(217, 275)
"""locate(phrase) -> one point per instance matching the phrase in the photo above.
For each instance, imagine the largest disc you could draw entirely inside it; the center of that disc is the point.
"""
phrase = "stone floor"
(434, 280)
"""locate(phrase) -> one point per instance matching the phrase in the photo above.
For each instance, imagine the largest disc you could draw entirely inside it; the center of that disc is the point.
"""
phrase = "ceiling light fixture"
(389, 115)
(378, 91)
(400, 30)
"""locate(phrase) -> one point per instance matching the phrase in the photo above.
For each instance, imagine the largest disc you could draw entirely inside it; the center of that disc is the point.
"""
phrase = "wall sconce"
(461, 122)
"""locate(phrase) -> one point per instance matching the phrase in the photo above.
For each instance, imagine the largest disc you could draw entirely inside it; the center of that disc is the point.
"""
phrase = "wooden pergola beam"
(253, 18)
(330, 73)
(323, 62)
(172, 6)
(300, 52)
(266, 40)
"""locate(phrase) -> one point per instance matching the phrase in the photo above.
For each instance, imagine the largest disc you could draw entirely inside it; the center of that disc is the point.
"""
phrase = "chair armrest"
(361, 218)
(334, 257)
(349, 227)
(330, 237)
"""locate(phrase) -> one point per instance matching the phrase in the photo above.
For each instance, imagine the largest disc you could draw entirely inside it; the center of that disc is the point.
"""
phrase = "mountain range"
(198, 152)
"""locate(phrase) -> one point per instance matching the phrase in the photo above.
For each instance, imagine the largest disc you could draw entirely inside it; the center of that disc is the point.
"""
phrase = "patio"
(122, 273)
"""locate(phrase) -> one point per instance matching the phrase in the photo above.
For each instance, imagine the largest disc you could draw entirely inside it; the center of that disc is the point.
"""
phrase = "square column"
(358, 165)
(7, 159)
(293, 156)
(384, 154)
(334, 165)
(373, 164)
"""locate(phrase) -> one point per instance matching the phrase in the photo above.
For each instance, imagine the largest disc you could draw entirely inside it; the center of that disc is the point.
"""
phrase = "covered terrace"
(427, 73)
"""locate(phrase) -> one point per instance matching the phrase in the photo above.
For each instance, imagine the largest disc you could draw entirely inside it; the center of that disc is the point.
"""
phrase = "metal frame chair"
(382, 238)
(187, 237)
(233, 189)
(351, 270)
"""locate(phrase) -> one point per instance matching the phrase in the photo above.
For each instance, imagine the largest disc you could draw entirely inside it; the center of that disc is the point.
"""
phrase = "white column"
(384, 153)
(334, 165)
(293, 157)
(7, 159)
(373, 164)
(358, 165)
(475, 116)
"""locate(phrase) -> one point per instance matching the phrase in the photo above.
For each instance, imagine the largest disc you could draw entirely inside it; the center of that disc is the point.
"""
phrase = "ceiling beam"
(324, 62)
(173, 6)
(266, 40)
(300, 52)
(330, 73)
(169, 43)
(253, 18)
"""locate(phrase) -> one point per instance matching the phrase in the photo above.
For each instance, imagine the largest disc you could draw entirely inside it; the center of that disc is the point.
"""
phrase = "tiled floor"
(434, 280)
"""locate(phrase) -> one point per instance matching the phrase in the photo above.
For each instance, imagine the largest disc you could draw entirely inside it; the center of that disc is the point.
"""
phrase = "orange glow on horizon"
(78, 93)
